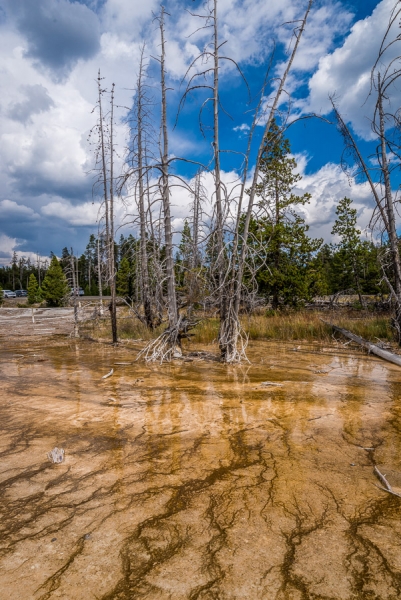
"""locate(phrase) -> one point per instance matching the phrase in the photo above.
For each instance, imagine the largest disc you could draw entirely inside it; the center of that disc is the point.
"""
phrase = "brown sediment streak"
(199, 483)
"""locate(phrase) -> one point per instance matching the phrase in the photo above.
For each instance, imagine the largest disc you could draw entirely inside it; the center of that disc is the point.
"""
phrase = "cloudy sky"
(50, 53)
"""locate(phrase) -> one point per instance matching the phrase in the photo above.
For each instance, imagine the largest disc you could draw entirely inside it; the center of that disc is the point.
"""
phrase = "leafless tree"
(230, 269)
(112, 267)
(104, 159)
(386, 127)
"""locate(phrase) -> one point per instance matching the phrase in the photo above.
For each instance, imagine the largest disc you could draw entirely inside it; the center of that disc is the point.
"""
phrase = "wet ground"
(195, 480)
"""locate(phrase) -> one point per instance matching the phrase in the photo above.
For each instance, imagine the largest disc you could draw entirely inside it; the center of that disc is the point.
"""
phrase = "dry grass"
(129, 327)
(302, 325)
(285, 326)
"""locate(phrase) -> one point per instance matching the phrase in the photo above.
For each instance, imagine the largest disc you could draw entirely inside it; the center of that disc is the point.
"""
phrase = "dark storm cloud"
(36, 100)
(58, 32)
(17, 220)
(27, 181)
(39, 233)
(49, 236)
(12, 211)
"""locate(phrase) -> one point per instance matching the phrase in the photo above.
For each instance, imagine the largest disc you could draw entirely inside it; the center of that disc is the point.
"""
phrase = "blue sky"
(51, 50)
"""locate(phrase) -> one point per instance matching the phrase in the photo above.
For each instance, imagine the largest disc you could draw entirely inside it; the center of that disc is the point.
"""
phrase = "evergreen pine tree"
(33, 290)
(289, 277)
(123, 278)
(55, 287)
(350, 247)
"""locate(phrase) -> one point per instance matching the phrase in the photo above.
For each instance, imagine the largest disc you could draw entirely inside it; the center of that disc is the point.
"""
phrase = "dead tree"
(168, 344)
(384, 78)
(105, 164)
(75, 288)
(99, 276)
(165, 190)
(196, 280)
(137, 177)
(231, 341)
(103, 159)
(212, 58)
(219, 229)
(112, 267)
(140, 99)
(229, 270)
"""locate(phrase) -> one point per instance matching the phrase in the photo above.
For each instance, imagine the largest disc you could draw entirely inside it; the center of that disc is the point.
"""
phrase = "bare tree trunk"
(171, 295)
(104, 163)
(75, 289)
(167, 345)
(99, 276)
(358, 283)
(112, 271)
(146, 299)
(38, 269)
(220, 262)
(194, 262)
(276, 299)
(195, 226)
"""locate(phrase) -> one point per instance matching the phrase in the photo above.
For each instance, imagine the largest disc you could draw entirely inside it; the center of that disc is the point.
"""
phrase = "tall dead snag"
(103, 159)
(168, 344)
(105, 163)
(140, 165)
(140, 102)
(75, 288)
(217, 250)
(229, 267)
(231, 341)
(219, 229)
(195, 277)
(112, 268)
(99, 278)
(165, 190)
(384, 78)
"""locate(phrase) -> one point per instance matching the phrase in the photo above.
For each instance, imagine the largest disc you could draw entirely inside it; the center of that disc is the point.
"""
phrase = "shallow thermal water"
(194, 481)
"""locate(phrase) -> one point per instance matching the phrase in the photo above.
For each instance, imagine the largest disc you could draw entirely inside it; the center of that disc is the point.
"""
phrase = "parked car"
(21, 293)
(9, 294)
(80, 292)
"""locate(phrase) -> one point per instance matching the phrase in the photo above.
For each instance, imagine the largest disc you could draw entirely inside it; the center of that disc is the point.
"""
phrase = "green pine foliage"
(288, 272)
(55, 288)
(354, 263)
(34, 291)
(123, 278)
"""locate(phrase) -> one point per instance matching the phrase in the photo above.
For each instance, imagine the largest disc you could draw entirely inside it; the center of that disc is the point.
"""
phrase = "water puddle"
(196, 480)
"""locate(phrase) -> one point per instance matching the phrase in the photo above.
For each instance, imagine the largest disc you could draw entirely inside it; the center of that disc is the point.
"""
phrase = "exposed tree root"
(168, 345)
(233, 340)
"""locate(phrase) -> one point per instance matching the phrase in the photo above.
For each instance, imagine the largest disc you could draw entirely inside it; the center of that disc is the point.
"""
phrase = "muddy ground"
(196, 480)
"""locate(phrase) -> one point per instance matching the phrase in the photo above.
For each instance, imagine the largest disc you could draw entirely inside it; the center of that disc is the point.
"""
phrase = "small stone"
(54, 539)
(353, 464)
(87, 536)
(56, 456)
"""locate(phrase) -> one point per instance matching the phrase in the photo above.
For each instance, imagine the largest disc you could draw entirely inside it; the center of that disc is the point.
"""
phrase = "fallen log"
(393, 358)
(108, 374)
(387, 487)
